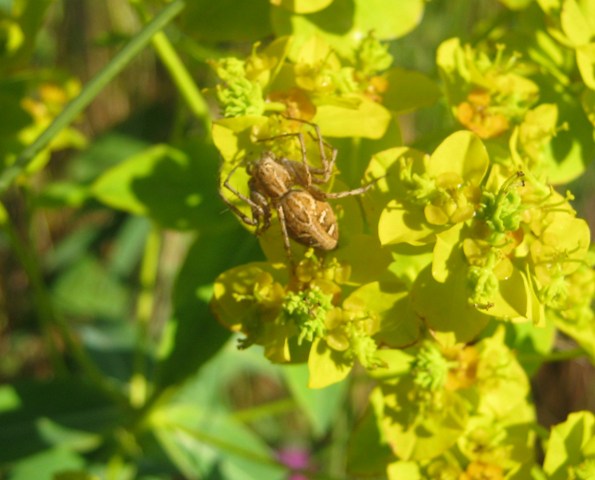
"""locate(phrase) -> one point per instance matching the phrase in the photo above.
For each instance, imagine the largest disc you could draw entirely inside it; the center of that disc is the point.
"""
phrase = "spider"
(290, 188)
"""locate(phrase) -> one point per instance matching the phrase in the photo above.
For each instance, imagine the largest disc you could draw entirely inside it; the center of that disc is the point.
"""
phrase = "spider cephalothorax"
(290, 188)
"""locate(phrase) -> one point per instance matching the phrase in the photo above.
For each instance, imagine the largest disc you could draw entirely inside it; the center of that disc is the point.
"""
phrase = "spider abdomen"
(309, 221)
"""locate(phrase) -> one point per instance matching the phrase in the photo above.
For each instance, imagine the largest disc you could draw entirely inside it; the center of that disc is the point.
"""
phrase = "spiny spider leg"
(327, 167)
(348, 193)
(286, 243)
(257, 210)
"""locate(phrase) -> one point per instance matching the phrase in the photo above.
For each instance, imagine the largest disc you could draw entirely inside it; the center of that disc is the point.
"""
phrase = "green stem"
(182, 78)
(90, 91)
(179, 73)
(144, 310)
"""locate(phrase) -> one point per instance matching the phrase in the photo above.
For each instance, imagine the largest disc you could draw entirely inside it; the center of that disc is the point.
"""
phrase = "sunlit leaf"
(326, 366)
(570, 444)
(345, 22)
(368, 120)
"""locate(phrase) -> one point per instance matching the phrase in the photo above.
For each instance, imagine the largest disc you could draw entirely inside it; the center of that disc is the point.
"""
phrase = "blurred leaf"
(302, 6)
(42, 415)
(30, 15)
(104, 152)
(345, 22)
(111, 345)
(571, 443)
(227, 20)
(532, 344)
(211, 444)
(321, 406)
(88, 289)
(368, 453)
(588, 103)
(128, 246)
(166, 184)
(63, 194)
(400, 470)
(47, 465)
(409, 90)
(516, 4)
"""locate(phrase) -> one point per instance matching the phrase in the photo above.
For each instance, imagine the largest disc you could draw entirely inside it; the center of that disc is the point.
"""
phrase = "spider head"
(270, 177)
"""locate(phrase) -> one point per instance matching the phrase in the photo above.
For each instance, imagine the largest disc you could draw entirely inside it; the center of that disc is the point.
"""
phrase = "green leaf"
(344, 22)
(320, 406)
(227, 20)
(501, 381)
(445, 306)
(302, 6)
(166, 184)
(87, 288)
(208, 443)
(368, 120)
(462, 153)
(532, 344)
(48, 465)
(326, 365)
(415, 433)
(368, 453)
(570, 444)
(585, 59)
(588, 103)
(408, 91)
(516, 4)
(36, 415)
(388, 305)
(575, 24)
(192, 334)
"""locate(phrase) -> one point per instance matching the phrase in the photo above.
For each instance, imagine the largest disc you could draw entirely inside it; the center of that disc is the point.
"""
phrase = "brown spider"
(289, 187)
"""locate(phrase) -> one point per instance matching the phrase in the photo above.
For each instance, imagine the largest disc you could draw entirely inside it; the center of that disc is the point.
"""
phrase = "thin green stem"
(89, 92)
(144, 309)
(179, 73)
(182, 78)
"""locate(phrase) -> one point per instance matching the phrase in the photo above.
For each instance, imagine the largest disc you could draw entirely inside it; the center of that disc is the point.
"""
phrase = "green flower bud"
(483, 284)
(372, 57)
(307, 310)
(363, 347)
(239, 96)
(430, 368)
(502, 211)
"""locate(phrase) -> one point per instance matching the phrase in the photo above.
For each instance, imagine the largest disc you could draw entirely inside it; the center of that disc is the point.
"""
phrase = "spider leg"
(286, 243)
(348, 193)
(257, 210)
(261, 215)
(327, 165)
